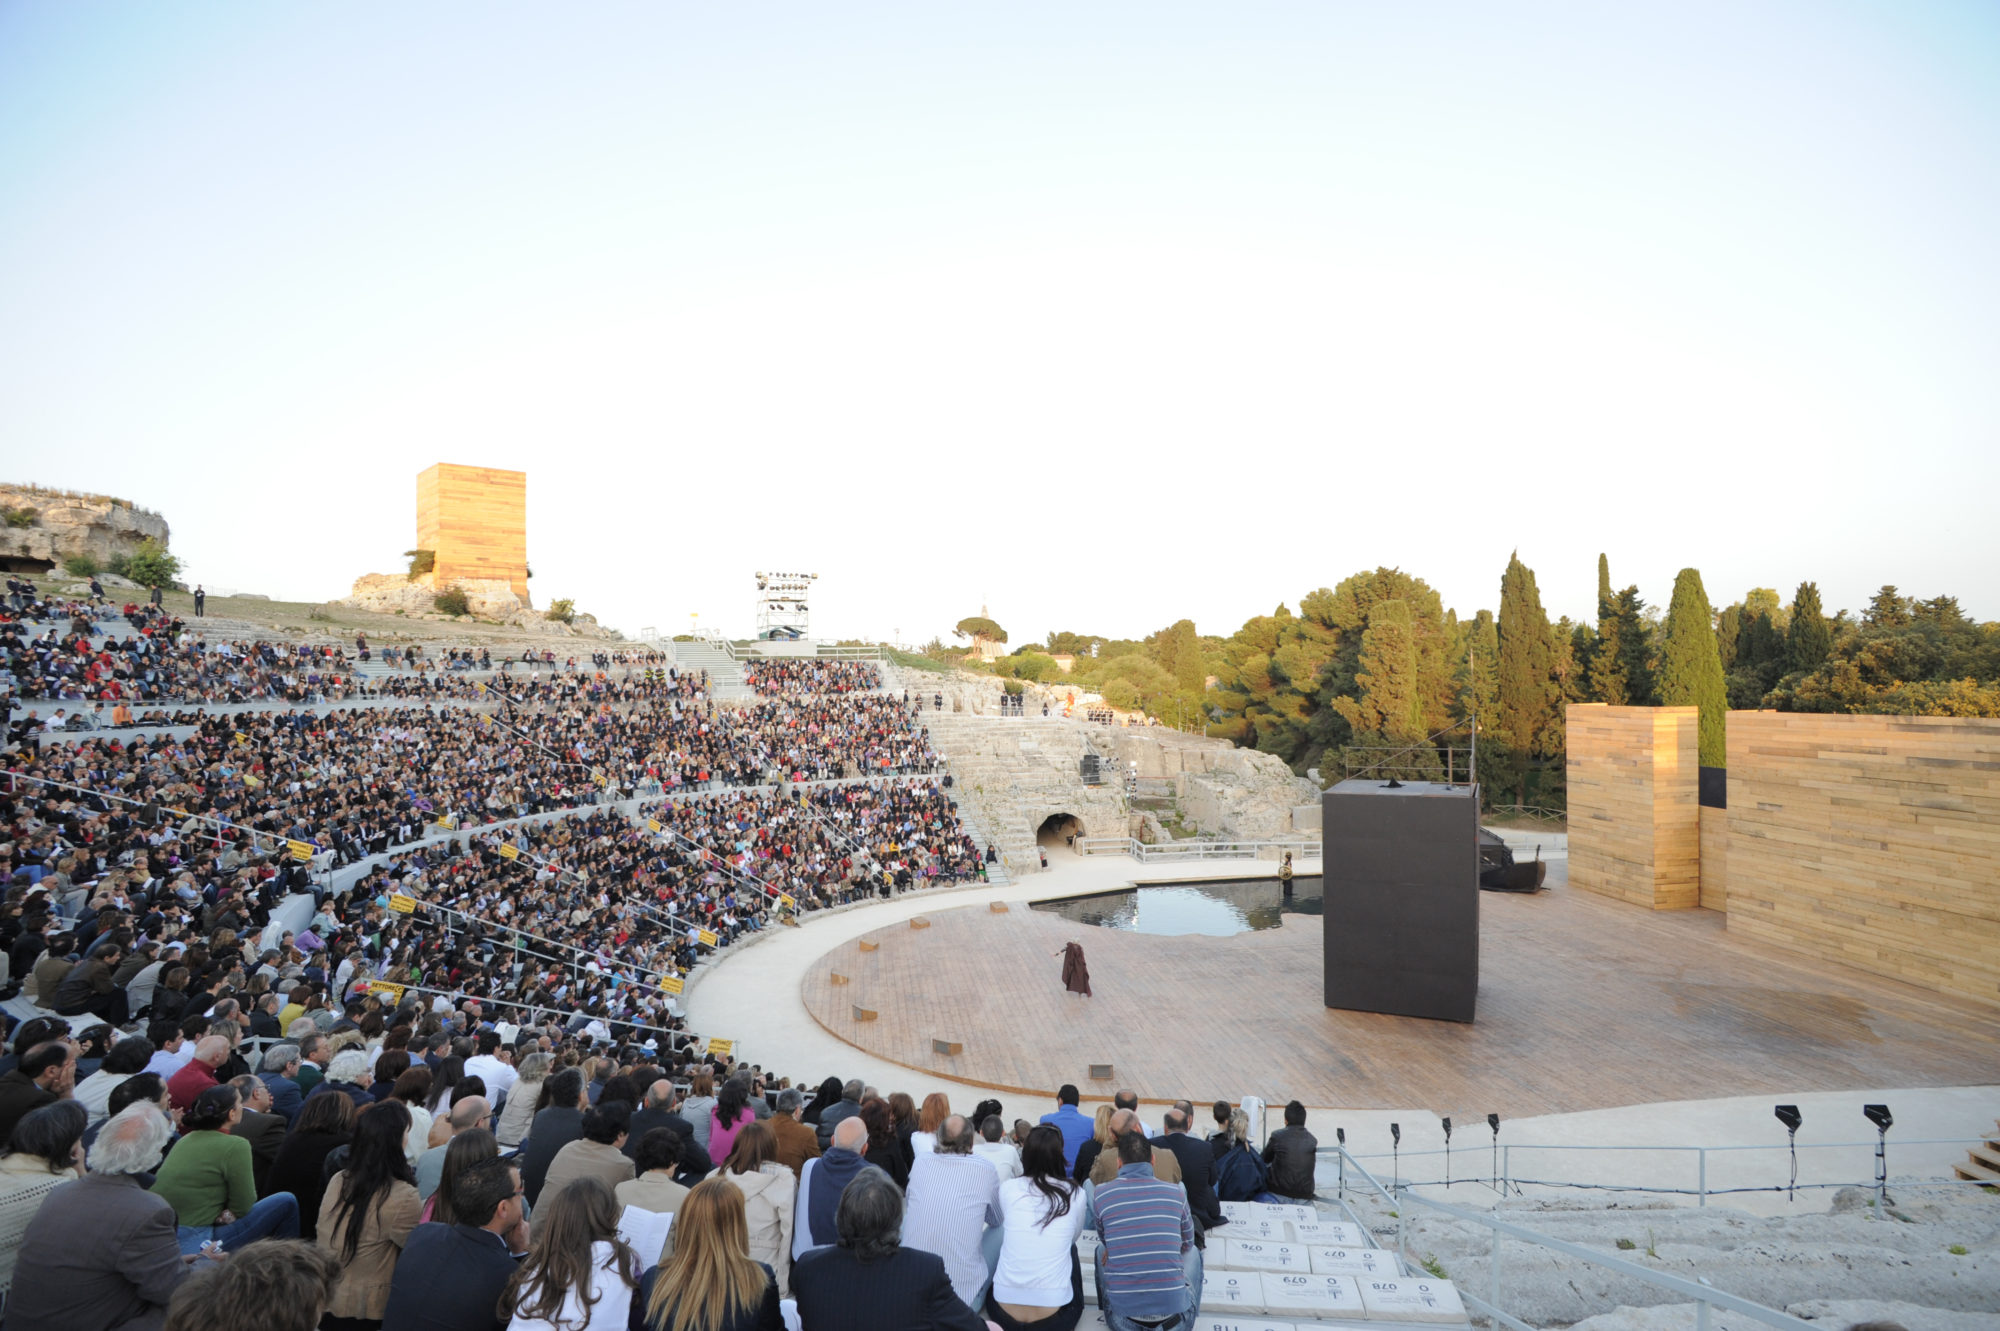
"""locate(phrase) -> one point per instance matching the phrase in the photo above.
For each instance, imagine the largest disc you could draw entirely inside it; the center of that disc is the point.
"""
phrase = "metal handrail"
(1702, 1294)
(1191, 850)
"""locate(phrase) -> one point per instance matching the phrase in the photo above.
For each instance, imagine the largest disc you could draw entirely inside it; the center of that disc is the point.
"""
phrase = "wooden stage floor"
(1584, 1003)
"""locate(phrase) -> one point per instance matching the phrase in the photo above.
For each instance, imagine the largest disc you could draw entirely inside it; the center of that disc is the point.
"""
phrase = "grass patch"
(1626, 1245)
(1435, 1267)
(1957, 1250)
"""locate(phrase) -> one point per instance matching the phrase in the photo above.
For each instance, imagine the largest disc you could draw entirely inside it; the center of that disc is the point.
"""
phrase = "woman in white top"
(578, 1275)
(1039, 1281)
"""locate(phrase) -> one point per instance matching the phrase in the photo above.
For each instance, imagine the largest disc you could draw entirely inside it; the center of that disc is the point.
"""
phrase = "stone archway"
(1058, 829)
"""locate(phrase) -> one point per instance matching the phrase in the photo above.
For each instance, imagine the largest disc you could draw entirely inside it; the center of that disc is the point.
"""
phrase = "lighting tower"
(781, 605)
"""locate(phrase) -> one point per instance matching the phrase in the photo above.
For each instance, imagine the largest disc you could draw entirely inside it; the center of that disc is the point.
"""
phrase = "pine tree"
(1887, 609)
(1622, 671)
(1691, 666)
(1603, 588)
(1809, 641)
(1530, 701)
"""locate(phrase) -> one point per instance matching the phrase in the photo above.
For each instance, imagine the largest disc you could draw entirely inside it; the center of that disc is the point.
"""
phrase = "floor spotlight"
(1493, 1122)
(1395, 1155)
(1340, 1135)
(1789, 1116)
(1883, 1120)
(1447, 1153)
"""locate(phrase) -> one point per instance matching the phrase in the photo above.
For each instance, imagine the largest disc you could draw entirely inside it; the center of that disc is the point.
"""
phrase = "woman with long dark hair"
(711, 1283)
(450, 1071)
(465, 1150)
(367, 1214)
(578, 1275)
(324, 1125)
(884, 1150)
(827, 1096)
(1039, 1281)
(732, 1110)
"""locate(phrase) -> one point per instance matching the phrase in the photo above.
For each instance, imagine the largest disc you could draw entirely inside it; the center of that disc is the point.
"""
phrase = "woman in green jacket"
(207, 1180)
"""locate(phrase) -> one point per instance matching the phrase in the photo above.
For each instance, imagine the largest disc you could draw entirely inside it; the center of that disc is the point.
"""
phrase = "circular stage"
(1584, 1003)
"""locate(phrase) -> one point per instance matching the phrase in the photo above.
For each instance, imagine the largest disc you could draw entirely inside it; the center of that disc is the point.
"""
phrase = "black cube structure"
(1402, 898)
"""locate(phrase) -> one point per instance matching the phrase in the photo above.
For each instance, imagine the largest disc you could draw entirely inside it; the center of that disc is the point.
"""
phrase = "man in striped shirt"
(1142, 1278)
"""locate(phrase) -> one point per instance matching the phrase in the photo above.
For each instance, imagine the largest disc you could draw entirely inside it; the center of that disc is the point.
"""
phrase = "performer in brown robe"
(1075, 975)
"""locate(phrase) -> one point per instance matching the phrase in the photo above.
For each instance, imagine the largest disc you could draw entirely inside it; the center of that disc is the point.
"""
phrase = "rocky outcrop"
(491, 599)
(65, 524)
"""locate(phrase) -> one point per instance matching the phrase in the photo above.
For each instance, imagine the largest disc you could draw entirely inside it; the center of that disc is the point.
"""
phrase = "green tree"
(1690, 673)
(1603, 588)
(1887, 609)
(978, 626)
(562, 612)
(1530, 698)
(151, 566)
(1622, 671)
(1178, 650)
(1388, 709)
(1809, 640)
(81, 566)
(1764, 601)
(1728, 629)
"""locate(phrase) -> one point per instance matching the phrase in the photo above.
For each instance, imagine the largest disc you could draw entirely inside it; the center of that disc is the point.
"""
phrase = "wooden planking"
(1872, 841)
(1715, 859)
(1634, 804)
(476, 519)
(1584, 1003)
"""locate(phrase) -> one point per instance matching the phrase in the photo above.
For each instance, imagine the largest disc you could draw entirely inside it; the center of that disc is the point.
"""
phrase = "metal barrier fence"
(1194, 850)
(1703, 1295)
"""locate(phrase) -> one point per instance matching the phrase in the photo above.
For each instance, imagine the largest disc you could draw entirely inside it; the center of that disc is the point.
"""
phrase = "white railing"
(1195, 850)
(1699, 1292)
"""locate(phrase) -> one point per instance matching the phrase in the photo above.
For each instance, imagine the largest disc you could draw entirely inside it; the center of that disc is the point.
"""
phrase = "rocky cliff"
(487, 598)
(57, 524)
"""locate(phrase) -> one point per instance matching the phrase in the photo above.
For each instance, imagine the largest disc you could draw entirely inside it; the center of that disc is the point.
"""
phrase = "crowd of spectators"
(809, 678)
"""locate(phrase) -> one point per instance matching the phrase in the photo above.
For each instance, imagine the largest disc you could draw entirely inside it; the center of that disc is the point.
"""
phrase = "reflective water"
(1218, 909)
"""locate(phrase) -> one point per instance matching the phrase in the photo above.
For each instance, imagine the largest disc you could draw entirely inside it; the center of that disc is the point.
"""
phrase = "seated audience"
(578, 1273)
(367, 1214)
(277, 1285)
(868, 1280)
(1039, 1279)
(210, 1180)
(452, 1272)
(711, 1283)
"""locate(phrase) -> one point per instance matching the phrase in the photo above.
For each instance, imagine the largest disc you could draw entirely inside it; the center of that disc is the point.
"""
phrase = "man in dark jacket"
(847, 1106)
(88, 987)
(554, 1128)
(264, 1130)
(1197, 1169)
(450, 1276)
(659, 1113)
(47, 1074)
(869, 1280)
(1293, 1155)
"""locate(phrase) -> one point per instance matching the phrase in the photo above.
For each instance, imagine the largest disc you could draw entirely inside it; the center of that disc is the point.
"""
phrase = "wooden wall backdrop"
(1634, 804)
(1869, 840)
(1715, 859)
(476, 518)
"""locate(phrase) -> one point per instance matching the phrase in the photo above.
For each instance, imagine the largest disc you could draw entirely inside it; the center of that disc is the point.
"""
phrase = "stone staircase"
(725, 675)
(1982, 1162)
(1299, 1268)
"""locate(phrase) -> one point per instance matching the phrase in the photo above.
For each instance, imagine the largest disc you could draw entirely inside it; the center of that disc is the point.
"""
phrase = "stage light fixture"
(1493, 1122)
(1789, 1116)
(1883, 1120)
(1447, 1153)
(1396, 1156)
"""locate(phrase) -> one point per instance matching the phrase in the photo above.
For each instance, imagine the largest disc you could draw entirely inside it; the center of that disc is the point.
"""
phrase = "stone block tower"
(476, 519)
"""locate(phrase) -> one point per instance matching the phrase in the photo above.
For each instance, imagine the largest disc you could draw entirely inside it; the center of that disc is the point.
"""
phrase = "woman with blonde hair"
(711, 1283)
(578, 1274)
(937, 1108)
(1100, 1140)
(770, 1194)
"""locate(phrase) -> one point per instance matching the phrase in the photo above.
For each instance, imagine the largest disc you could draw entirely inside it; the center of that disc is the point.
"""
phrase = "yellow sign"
(508, 851)
(707, 937)
(251, 781)
(446, 822)
(479, 686)
(671, 983)
(722, 1047)
(652, 824)
(393, 992)
(242, 738)
(784, 900)
(401, 904)
(302, 851)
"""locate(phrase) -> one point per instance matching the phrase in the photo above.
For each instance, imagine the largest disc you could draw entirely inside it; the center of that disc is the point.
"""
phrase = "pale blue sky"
(1103, 314)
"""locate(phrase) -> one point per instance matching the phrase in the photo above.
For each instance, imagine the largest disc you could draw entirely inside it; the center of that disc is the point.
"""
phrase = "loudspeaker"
(1401, 909)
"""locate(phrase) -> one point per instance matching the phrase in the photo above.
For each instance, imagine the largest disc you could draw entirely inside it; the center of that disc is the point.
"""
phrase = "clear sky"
(1102, 315)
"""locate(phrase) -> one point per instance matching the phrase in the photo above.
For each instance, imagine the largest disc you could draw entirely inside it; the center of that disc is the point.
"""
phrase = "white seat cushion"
(1418, 1299)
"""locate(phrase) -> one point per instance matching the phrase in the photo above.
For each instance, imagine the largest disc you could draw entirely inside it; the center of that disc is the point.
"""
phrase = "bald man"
(469, 1113)
(210, 1053)
(822, 1183)
(952, 1199)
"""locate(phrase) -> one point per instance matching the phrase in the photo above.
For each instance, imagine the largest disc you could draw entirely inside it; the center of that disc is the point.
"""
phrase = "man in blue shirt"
(1076, 1126)
(1147, 1232)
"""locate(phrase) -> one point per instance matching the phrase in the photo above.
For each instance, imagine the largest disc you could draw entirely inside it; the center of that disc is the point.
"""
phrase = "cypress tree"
(1691, 665)
(1809, 641)
(1530, 701)
(1603, 588)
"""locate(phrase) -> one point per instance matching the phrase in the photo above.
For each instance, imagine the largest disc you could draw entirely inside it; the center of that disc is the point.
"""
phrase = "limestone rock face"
(386, 593)
(66, 525)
